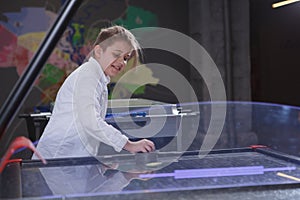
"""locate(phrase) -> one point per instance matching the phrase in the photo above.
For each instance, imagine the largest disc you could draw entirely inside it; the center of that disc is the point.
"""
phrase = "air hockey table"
(244, 173)
(133, 117)
(256, 156)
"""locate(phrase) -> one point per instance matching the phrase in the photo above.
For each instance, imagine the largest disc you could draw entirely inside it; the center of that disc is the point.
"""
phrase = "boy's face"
(115, 57)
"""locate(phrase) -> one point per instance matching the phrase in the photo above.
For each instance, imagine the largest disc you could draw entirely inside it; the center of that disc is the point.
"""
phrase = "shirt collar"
(103, 77)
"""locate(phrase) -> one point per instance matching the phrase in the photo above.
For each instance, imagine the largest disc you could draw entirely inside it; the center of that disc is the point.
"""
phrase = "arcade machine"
(211, 150)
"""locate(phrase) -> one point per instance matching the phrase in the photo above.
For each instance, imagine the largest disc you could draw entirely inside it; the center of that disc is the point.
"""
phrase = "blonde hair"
(108, 36)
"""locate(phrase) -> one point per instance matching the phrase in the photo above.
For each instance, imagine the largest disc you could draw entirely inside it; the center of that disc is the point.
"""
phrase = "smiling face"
(114, 58)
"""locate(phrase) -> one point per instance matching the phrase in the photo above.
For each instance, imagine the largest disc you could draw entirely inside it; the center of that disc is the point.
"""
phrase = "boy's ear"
(98, 51)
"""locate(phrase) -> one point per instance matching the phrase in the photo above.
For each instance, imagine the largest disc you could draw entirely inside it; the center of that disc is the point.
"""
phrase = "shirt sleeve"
(90, 124)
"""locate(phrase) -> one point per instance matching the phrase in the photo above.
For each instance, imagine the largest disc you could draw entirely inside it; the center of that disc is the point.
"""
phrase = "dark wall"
(275, 57)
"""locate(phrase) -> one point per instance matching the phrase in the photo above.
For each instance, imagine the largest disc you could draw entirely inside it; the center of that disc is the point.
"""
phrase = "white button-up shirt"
(77, 126)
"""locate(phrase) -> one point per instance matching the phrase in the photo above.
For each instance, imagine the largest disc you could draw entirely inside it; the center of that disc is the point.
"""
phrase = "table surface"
(160, 173)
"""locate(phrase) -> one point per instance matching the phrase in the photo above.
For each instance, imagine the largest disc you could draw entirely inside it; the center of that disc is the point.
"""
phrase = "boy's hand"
(143, 145)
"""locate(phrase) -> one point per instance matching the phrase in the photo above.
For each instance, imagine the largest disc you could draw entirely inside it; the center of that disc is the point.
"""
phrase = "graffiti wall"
(24, 24)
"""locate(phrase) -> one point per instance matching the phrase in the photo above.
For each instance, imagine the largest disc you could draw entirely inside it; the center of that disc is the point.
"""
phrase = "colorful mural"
(23, 31)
